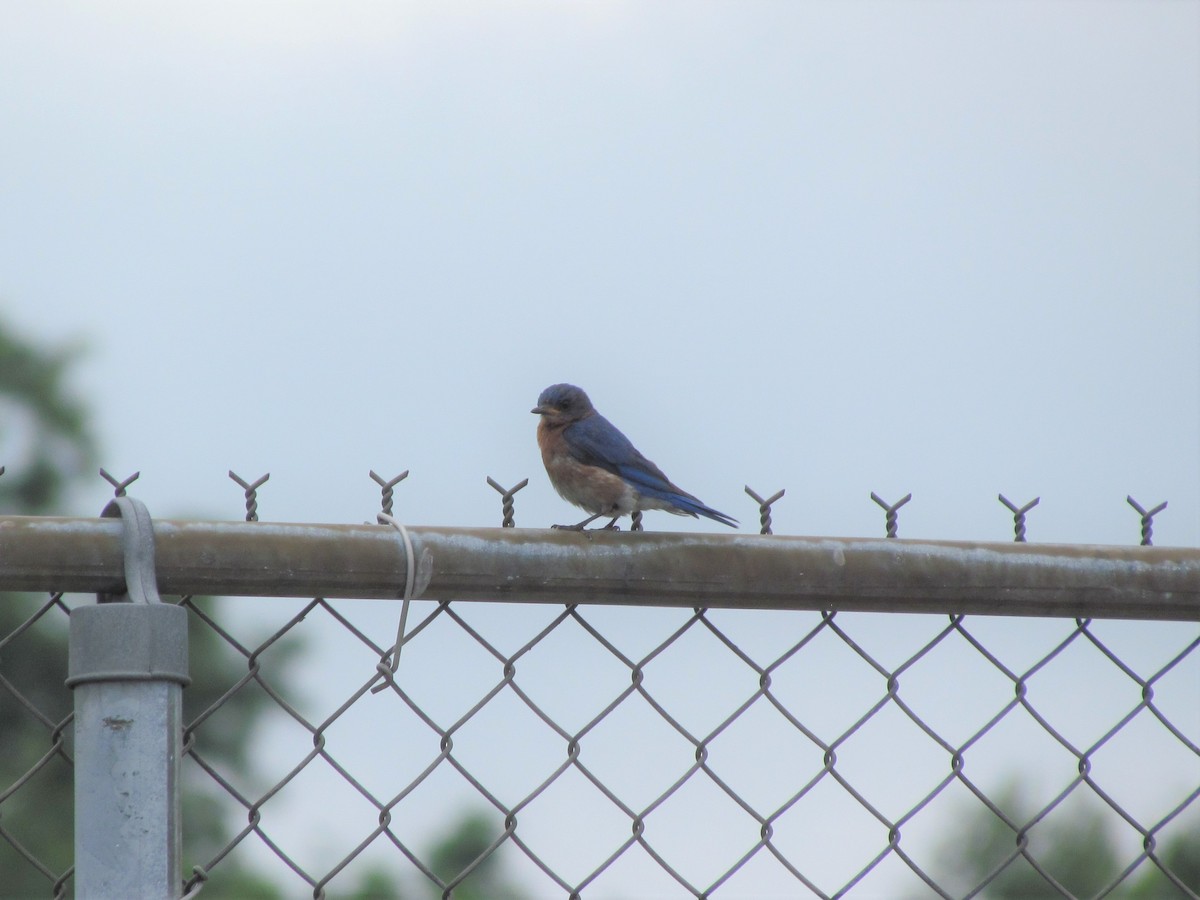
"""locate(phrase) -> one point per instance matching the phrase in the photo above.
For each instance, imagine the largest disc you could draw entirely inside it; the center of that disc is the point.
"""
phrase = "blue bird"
(594, 466)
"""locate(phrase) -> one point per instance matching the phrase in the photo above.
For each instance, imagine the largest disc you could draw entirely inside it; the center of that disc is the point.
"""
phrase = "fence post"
(127, 668)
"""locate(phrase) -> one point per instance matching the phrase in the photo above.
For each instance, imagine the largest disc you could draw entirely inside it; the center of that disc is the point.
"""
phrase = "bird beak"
(542, 410)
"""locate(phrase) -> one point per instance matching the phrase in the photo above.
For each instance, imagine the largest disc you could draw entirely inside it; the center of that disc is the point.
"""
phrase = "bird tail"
(684, 504)
(698, 508)
(651, 484)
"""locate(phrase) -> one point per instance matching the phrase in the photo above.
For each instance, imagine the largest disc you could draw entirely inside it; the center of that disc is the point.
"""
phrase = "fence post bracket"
(128, 664)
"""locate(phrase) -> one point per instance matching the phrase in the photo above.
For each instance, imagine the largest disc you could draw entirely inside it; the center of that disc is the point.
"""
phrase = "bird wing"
(595, 441)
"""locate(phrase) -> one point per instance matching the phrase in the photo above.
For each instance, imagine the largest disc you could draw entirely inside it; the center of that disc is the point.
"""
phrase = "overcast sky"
(952, 249)
(930, 247)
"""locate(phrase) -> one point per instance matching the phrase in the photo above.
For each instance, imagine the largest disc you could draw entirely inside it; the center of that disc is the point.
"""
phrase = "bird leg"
(579, 527)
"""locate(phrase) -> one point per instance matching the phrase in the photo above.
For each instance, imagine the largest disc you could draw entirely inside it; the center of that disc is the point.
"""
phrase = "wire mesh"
(618, 751)
(35, 767)
(818, 772)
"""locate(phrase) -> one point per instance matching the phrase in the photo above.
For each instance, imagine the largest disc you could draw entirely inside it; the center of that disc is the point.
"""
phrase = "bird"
(593, 465)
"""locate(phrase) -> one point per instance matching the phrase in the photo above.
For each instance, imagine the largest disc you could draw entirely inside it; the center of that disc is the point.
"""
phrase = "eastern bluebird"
(594, 466)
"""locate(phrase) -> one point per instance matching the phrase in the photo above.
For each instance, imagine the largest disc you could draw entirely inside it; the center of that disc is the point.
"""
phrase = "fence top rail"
(664, 569)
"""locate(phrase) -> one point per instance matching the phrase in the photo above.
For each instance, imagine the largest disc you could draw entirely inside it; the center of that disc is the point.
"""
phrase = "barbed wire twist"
(386, 489)
(1147, 519)
(891, 518)
(1019, 516)
(251, 491)
(120, 486)
(764, 508)
(506, 500)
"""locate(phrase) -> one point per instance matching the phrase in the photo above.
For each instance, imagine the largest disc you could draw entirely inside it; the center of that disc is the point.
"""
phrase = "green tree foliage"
(455, 851)
(459, 849)
(44, 435)
(1080, 852)
(48, 448)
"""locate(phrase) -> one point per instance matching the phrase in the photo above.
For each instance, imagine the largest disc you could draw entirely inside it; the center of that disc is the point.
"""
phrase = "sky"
(928, 247)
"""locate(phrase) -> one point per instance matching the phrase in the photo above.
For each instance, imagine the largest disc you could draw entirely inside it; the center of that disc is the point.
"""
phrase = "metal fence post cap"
(128, 642)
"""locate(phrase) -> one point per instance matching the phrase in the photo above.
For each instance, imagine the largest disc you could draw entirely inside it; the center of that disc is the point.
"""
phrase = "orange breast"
(588, 487)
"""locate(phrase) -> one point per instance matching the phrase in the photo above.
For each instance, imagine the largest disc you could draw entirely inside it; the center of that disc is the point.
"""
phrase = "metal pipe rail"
(663, 569)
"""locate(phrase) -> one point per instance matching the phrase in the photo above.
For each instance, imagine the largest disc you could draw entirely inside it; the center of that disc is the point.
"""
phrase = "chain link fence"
(606, 749)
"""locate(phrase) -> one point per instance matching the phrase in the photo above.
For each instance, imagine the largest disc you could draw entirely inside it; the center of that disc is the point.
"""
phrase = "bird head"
(561, 403)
